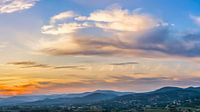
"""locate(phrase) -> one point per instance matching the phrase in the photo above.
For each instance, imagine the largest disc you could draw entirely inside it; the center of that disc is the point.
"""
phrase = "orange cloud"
(137, 82)
(17, 89)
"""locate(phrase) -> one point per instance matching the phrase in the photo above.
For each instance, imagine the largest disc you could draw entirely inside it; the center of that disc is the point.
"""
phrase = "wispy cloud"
(69, 67)
(196, 19)
(3, 44)
(69, 26)
(10, 6)
(125, 63)
(29, 64)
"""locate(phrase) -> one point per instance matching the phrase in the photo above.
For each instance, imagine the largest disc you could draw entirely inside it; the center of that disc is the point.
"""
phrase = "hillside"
(166, 99)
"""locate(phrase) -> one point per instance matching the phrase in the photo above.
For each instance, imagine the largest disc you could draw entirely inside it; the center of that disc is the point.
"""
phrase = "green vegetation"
(95, 109)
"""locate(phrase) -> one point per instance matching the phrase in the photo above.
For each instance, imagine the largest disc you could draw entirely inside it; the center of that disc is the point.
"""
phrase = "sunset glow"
(69, 46)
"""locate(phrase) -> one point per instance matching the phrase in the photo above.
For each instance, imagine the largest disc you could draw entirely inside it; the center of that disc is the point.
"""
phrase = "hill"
(167, 99)
(59, 99)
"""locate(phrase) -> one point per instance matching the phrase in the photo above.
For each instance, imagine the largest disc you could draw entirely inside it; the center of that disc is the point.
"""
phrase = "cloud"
(114, 18)
(22, 63)
(115, 82)
(69, 67)
(77, 46)
(10, 6)
(87, 45)
(22, 89)
(25, 87)
(163, 40)
(158, 42)
(118, 19)
(123, 34)
(125, 63)
(122, 82)
(150, 83)
(69, 26)
(31, 64)
(196, 19)
(3, 44)
(62, 16)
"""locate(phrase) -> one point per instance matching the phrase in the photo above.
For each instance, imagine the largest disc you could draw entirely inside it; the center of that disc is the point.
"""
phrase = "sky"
(69, 46)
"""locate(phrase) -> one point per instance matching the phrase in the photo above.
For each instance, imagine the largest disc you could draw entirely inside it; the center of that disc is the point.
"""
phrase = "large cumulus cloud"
(122, 32)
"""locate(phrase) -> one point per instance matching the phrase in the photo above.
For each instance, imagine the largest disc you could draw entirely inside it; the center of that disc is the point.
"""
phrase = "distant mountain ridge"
(162, 96)
(167, 89)
(91, 98)
(104, 94)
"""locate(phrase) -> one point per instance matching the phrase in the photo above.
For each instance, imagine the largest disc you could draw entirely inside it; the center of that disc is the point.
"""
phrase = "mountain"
(97, 95)
(113, 92)
(166, 89)
(15, 100)
(20, 99)
(72, 95)
(106, 100)
(161, 97)
(194, 89)
(88, 99)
